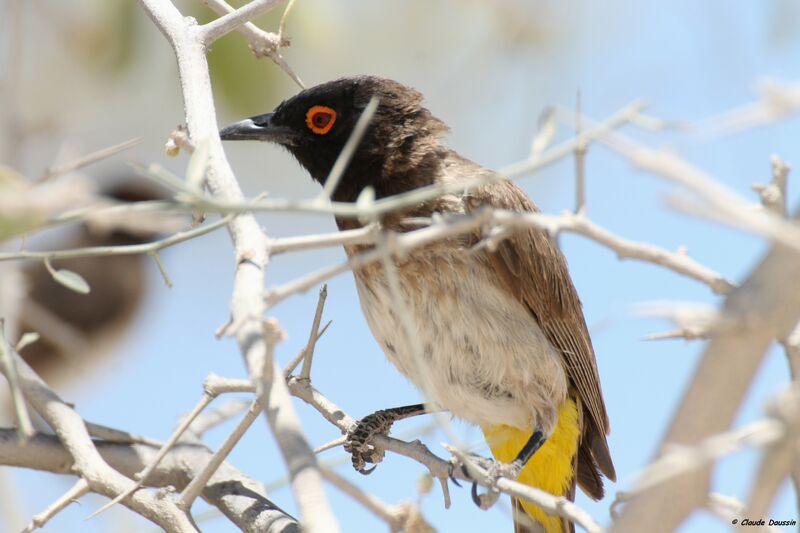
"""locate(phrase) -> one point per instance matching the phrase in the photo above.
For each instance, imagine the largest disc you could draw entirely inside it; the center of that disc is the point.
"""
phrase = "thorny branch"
(90, 460)
(250, 243)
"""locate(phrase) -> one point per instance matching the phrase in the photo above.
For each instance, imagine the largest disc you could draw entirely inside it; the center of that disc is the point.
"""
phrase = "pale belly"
(481, 355)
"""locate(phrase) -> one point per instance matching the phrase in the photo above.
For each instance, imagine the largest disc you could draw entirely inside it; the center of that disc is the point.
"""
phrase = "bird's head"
(398, 151)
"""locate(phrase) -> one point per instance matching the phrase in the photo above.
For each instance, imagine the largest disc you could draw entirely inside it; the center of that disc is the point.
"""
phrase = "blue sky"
(488, 70)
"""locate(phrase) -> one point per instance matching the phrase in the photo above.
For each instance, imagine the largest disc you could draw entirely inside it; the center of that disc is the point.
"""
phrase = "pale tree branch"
(308, 353)
(242, 500)
(87, 462)
(405, 517)
(250, 242)
(79, 489)
(440, 468)
(765, 307)
(455, 225)
(198, 483)
(261, 43)
(233, 20)
(129, 249)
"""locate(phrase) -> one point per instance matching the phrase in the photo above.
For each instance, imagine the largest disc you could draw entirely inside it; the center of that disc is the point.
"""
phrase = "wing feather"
(534, 270)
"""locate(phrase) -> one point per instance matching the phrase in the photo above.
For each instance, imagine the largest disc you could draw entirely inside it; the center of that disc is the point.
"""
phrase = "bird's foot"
(508, 470)
(494, 471)
(359, 443)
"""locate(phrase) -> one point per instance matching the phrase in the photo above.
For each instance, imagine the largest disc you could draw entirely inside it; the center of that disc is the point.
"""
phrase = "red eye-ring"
(320, 119)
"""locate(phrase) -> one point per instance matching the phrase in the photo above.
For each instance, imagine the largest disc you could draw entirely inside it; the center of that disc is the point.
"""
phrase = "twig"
(287, 371)
(213, 386)
(88, 464)
(308, 353)
(249, 242)
(567, 148)
(143, 476)
(214, 417)
(199, 482)
(243, 500)
(108, 434)
(439, 468)
(692, 321)
(128, 249)
(399, 518)
(776, 101)
(679, 460)
(365, 235)
(343, 159)
(231, 21)
(580, 162)
(94, 157)
(297, 454)
(455, 225)
(719, 202)
(9, 369)
(80, 488)
(779, 458)
(792, 347)
(773, 195)
(766, 306)
(261, 43)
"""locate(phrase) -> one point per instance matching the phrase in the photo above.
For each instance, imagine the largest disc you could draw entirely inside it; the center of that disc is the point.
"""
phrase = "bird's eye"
(320, 119)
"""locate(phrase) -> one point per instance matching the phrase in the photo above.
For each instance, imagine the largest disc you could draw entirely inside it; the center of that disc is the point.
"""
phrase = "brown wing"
(534, 270)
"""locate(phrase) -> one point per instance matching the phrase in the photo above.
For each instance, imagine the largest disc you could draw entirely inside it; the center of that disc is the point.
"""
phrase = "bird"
(501, 340)
(79, 332)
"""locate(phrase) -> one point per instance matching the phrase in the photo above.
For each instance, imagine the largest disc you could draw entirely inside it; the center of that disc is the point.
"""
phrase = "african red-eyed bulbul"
(503, 338)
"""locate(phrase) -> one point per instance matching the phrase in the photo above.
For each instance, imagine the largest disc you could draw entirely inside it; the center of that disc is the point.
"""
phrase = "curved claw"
(367, 471)
(476, 499)
(450, 469)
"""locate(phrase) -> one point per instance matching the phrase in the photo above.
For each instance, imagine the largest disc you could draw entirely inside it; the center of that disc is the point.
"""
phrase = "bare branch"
(241, 499)
(235, 19)
(9, 369)
(776, 101)
(80, 488)
(765, 307)
(308, 353)
(129, 249)
(365, 235)
(719, 202)
(249, 241)
(88, 464)
(261, 43)
(773, 195)
(199, 482)
(88, 159)
(406, 517)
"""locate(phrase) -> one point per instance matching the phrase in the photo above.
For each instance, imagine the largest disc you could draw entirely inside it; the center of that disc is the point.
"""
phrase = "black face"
(315, 124)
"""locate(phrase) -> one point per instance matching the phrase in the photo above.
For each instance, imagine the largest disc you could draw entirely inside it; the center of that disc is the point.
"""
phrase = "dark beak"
(258, 128)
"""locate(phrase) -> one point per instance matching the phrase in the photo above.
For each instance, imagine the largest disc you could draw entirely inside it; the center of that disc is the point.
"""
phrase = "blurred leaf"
(69, 279)
(27, 339)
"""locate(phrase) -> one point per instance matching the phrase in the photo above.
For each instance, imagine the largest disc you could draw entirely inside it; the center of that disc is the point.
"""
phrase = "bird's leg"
(513, 469)
(496, 469)
(359, 439)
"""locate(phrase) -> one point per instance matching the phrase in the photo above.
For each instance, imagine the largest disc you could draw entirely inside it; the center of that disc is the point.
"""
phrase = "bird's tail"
(551, 469)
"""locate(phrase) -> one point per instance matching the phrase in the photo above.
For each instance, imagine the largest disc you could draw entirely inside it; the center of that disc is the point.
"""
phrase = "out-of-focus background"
(79, 75)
